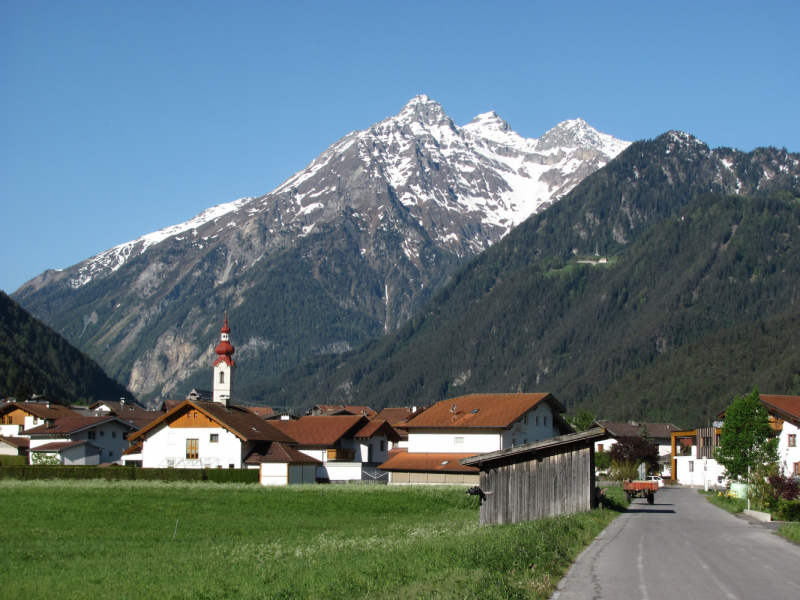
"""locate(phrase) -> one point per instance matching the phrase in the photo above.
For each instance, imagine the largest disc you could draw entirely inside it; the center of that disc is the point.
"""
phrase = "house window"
(102, 433)
(230, 466)
(691, 466)
(513, 442)
(222, 376)
(525, 441)
(113, 434)
(192, 447)
(383, 446)
(537, 420)
(458, 440)
(110, 454)
(214, 438)
(797, 468)
(599, 447)
(92, 435)
(544, 421)
(792, 440)
(525, 419)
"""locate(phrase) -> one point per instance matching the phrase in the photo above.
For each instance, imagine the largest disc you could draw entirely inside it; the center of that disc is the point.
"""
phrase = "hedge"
(11, 460)
(130, 473)
(788, 510)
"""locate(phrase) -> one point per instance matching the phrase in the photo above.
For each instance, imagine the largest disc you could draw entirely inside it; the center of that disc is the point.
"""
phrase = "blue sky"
(120, 118)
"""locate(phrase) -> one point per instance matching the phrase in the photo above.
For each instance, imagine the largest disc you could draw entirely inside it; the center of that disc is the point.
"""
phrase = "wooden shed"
(543, 479)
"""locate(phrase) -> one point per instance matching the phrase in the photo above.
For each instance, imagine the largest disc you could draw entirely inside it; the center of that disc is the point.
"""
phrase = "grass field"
(104, 539)
(790, 532)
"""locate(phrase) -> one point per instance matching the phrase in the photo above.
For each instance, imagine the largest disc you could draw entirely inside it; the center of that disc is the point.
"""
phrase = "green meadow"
(96, 538)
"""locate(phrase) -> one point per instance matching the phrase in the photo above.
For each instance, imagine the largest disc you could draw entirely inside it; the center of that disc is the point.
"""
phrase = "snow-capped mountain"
(467, 186)
(373, 226)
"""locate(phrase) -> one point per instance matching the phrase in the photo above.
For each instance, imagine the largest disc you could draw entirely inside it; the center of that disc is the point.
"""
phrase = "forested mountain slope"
(700, 292)
(33, 353)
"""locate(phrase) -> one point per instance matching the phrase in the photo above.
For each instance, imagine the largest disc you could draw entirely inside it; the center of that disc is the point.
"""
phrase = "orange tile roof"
(365, 411)
(427, 462)
(480, 410)
(376, 427)
(275, 452)
(55, 411)
(397, 415)
(320, 430)
(789, 405)
(260, 410)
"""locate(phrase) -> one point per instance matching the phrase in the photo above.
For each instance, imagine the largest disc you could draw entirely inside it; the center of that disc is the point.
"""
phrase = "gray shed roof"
(592, 435)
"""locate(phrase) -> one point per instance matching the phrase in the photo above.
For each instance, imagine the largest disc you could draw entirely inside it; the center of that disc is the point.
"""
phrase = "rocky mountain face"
(345, 250)
(661, 287)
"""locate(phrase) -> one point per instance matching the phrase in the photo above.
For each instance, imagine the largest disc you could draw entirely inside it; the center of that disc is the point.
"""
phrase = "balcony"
(189, 463)
(347, 454)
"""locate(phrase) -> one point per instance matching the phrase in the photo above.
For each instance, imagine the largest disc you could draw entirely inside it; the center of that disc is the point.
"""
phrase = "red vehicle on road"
(640, 489)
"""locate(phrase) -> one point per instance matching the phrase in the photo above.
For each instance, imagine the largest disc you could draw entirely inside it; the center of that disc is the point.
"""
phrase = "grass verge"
(732, 505)
(791, 532)
(77, 539)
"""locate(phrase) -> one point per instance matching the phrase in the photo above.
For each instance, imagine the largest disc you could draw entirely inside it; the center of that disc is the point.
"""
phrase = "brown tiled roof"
(480, 410)
(236, 419)
(427, 462)
(56, 411)
(142, 418)
(275, 452)
(630, 429)
(319, 430)
(362, 411)
(261, 411)
(788, 405)
(59, 446)
(71, 425)
(397, 415)
(375, 427)
(17, 442)
(135, 449)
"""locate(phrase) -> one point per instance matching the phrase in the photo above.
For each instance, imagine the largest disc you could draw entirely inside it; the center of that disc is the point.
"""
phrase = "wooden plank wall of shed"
(556, 481)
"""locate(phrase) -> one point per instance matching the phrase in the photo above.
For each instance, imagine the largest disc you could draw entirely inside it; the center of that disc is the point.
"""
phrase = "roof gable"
(236, 419)
(787, 406)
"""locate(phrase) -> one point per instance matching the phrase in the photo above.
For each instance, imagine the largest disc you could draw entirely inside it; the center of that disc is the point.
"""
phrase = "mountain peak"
(426, 111)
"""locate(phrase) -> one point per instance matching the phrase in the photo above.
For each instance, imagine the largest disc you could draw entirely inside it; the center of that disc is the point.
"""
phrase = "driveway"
(684, 547)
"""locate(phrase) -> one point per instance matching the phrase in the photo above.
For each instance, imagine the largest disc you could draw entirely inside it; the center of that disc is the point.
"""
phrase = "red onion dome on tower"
(224, 348)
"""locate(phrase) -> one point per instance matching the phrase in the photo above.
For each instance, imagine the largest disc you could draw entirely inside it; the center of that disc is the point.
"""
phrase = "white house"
(658, 433)
(469, 425)
(81, 440)
(348, 447)
(16, 418)
(196, 435)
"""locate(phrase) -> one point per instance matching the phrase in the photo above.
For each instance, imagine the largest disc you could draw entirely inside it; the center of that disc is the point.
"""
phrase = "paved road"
(684, 547)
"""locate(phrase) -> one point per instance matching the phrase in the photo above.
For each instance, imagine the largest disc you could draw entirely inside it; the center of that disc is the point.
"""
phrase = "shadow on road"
(652, 511)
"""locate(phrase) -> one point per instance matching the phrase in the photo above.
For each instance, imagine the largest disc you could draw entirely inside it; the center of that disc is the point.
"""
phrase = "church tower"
(224, 367)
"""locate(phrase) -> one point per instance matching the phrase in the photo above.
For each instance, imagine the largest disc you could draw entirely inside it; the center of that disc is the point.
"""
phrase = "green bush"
(787, 510)
(232, 475)
(129, 474)
(12, 461)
